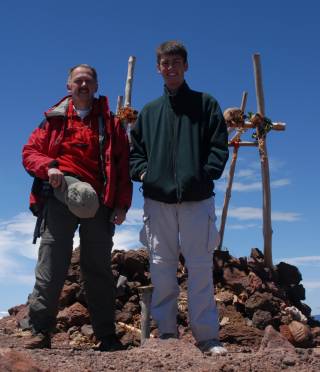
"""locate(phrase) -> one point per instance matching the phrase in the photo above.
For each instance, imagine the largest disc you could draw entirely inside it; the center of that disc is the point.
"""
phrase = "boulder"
(68, 294)
(261, 319)
(273, 340)
(288, 274)
(301, 333)
(262, 301)
(74, 315)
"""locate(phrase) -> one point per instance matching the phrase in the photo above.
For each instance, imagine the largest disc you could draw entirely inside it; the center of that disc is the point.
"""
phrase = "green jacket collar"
(182, 90)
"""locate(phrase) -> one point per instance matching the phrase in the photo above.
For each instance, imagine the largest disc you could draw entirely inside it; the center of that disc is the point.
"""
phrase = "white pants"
(189, 228)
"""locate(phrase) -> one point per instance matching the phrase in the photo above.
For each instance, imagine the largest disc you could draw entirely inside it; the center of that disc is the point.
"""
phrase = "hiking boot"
(110, 343)
(212, 347)
(38, 341)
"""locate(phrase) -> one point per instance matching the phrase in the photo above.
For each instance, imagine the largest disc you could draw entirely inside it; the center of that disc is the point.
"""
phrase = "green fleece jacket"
(180, 142)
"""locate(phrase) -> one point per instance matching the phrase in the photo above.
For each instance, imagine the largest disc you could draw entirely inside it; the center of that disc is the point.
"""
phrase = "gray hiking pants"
(187, 228)
(54, 258)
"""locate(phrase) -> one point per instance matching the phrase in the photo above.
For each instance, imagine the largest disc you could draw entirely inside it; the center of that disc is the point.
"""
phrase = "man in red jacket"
(79, 158)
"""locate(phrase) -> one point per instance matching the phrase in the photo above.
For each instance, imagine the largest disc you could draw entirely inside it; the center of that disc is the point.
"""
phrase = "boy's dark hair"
(172, 47)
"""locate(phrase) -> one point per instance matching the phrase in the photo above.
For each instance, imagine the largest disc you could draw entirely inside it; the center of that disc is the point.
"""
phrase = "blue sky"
(41, 40)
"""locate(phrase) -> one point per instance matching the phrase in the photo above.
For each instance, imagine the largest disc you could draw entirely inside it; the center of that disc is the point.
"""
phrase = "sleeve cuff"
(53, 164)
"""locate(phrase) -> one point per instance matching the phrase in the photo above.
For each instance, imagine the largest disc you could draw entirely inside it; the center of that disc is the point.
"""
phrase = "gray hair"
(93, 70)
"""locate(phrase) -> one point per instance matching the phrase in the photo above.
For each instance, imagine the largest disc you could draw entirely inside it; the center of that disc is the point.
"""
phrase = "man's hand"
(118, 216)
(142, 175)
(56, 177)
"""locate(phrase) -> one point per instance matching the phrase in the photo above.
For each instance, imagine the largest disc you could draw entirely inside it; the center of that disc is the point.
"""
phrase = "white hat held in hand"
(80, 197)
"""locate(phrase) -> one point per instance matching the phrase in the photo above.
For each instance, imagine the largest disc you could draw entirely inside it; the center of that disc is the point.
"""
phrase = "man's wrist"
(53, 164)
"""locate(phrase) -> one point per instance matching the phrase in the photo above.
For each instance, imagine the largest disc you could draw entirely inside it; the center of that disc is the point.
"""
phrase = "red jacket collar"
(100, 105)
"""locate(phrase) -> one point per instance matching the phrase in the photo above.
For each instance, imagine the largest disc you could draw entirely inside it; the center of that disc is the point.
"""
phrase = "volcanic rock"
(288, 274)
(74, 315)
(285, 331)
(301, 333)
(69, 294)
(257, 301)
(249, 297)
(261, 319)
(257, 255)
(274, 340)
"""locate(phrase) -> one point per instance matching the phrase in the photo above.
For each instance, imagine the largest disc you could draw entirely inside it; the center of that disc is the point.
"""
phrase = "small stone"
(261, 319)
(289, 361)
(300, 332)
(225, 320)
(274, 340)
(87, 330)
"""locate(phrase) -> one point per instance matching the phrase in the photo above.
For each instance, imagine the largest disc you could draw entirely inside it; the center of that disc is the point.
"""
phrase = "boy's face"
(172, 69)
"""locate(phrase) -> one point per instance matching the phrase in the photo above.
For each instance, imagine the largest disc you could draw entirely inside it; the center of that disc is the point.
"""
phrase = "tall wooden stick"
(119, 103)
(266, 194)
(145, 303)
(244, 101)
(247, 124)
(128, 92)
(231, 175)
(129, 82)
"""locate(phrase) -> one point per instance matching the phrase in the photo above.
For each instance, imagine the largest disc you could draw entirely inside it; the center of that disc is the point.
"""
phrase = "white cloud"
(241, 226)
(280, 182)
(127, 238)
(253, 186)
(246, 173)
(134, 217)
(276, 164)
(285, 216)
(23, 223)
(311, 284)
(302, 261)
(16, 244)
(248, 176)
(239, 186)
(251, 213)
(3, 313)
(127, 235)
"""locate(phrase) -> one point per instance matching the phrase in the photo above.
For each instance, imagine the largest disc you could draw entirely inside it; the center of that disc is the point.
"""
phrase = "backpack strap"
(102, 138)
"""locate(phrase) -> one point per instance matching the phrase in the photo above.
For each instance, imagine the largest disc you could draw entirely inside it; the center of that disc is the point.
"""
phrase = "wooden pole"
(242, 144)
(266, 194)
(249, 124)
(129, 81)
(145, 303)
(128, 91)
(119, 103)
(244, 101)
(231, 175)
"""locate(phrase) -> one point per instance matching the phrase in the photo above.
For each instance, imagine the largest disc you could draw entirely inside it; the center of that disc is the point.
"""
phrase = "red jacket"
(44, 144)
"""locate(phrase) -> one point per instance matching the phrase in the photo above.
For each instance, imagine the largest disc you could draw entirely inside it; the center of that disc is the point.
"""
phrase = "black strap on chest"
(102, 137)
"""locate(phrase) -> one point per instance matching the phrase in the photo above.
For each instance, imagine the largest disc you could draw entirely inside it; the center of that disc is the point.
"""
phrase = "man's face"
(172, 69)
(82, 85)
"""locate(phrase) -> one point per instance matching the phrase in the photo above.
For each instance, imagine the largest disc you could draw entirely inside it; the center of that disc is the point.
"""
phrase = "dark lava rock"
(261, 319)
(288, 274)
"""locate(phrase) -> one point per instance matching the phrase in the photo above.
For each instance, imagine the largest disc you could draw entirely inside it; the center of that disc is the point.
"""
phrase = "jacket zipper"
(175, 157)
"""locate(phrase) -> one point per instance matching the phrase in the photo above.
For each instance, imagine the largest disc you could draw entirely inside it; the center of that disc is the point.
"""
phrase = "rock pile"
(249, 296)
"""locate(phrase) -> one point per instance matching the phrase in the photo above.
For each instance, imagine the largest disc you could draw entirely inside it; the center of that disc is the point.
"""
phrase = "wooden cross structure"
(259, 122)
